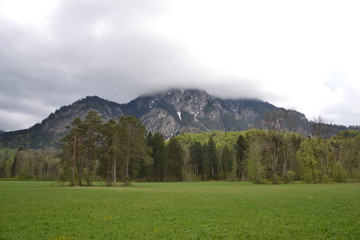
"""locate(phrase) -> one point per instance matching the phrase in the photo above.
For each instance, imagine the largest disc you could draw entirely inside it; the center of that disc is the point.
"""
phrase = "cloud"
(61, 51)
(343, 99)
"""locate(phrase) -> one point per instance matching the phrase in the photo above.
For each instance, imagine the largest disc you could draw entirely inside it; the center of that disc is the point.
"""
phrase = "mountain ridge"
(169, 112)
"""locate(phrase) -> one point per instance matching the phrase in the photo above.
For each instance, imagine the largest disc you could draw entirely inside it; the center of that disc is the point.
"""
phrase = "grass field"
(207, 210)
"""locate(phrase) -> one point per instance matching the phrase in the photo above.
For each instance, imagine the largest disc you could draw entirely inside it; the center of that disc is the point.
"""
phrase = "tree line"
(122, 150)
(42, 164)
(273, 156)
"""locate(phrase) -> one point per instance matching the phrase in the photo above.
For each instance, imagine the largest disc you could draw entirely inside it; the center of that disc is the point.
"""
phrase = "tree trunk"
(127, 170)
(274, 164)
(285, 167)
(108, 177)
(80, 174)
(243, 175)
(73, 164)
(127, 159)
(114, 171)
(88, 176)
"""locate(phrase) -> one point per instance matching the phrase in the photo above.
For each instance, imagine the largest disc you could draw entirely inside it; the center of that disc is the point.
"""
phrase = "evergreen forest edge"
(122, 150)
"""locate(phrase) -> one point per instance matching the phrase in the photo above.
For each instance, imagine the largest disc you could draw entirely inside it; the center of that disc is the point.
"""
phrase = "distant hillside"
(171, 113)
(49, 132)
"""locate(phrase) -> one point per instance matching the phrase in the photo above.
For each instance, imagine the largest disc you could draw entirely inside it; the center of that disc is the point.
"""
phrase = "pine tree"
(14, 167)
(134, 146)
(197, 158)
(213, 159)
(159, 157)
(110, 151)
(226, 163)
(92, 136)
(205, 164)
(73, 151)
(241, 147)
(175, 156)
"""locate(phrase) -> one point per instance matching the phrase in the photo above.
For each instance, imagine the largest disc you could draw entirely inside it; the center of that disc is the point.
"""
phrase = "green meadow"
(202, 210)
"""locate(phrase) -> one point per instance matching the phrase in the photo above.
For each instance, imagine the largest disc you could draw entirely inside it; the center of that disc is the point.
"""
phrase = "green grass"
(206, 210)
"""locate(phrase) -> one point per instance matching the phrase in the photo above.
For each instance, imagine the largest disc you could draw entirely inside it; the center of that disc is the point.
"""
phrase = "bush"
(325, 178)
(307, 177)
(339, 173)
(289, 177)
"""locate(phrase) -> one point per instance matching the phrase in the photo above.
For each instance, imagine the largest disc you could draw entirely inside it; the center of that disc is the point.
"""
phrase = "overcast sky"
(303, 55)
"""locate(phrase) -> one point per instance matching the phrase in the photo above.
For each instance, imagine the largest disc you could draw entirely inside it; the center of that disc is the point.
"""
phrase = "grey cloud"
(44, 70)
(346, 110)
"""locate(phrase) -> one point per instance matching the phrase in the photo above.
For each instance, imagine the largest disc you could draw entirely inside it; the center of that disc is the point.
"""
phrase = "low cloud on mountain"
(55, 52)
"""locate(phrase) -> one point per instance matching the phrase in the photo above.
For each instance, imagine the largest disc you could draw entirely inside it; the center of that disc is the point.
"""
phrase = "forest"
(123, 151)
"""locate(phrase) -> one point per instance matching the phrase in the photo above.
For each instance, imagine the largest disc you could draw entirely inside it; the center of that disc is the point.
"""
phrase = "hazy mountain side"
(1, 131)
(57, 122)
(330, 130)
(282, 119)
(49, 132)
(33, 137)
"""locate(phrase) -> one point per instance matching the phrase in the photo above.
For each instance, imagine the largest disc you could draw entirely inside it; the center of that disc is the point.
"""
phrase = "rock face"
(170, 113)
(56, 124)
(178, 111)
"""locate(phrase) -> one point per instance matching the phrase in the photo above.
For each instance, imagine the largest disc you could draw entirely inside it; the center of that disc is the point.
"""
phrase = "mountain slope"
(49, 132)
(179, 111)
(170, 113)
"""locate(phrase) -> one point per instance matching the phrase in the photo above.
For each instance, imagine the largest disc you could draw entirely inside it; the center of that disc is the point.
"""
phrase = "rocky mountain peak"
(176, 111)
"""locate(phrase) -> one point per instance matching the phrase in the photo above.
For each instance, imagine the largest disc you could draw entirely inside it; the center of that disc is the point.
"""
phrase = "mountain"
(49, 132)
(170, 113)
(1, 131)
(178, 111)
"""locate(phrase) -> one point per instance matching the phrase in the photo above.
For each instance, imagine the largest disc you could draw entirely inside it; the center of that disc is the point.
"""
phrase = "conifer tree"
(226, 163)
(205, 164)
(133, 145)
(110, 151)
(14, 167)
(241, 147)
(213, 159)
(92, 136)
(197, 158)
(159, 157)
(175, 156)
(73, 151)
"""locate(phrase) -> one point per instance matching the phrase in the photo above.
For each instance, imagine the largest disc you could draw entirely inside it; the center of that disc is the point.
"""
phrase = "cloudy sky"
(303, 54)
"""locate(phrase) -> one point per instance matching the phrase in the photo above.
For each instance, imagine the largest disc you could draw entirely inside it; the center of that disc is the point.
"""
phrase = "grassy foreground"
(208, 210)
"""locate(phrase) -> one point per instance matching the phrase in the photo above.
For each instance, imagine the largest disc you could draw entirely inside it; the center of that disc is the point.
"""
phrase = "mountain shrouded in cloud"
(298, 55)
(171, 113)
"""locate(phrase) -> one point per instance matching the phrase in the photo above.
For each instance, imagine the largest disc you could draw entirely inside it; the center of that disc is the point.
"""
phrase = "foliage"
(276, 156)
(255, 167)
(175, 161)
(241, 148)
(6, 161)
(29, 164)
(120, 147)
(157, 145)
